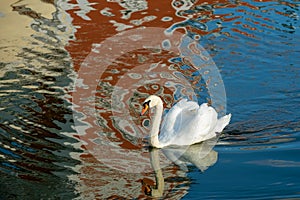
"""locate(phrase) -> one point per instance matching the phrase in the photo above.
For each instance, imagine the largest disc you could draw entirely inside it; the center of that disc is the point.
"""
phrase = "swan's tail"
(222, 122)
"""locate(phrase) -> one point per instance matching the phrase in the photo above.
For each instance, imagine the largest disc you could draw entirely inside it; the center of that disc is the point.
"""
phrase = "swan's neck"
(155, 125)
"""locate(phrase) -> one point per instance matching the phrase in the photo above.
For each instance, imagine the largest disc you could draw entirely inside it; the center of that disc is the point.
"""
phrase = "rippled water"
(71, 87)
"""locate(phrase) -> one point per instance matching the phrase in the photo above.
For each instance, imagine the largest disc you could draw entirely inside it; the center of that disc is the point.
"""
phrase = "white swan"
(186, 123)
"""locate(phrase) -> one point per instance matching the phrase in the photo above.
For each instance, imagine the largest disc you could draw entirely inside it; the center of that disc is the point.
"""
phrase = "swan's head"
(151, 102)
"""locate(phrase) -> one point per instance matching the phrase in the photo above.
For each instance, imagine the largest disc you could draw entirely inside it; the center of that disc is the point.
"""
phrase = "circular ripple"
(120, 73)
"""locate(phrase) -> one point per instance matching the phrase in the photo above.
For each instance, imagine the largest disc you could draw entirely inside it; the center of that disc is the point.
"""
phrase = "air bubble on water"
(166, 75)
(134, 75)
(146, 123)
(166, 44)
(166, 19)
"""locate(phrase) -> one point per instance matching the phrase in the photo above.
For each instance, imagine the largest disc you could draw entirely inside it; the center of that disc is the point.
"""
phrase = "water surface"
(62, 138)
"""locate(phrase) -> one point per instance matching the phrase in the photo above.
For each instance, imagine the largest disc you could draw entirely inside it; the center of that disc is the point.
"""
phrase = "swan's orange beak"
(146, 107)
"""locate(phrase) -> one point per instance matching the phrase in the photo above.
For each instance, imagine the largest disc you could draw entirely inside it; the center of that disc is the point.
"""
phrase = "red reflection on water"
(94, 31)
(99, 28)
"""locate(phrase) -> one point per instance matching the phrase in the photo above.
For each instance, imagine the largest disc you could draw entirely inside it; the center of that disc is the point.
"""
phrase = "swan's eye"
(146, 104)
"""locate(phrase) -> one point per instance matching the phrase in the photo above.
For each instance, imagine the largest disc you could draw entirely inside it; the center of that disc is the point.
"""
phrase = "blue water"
(261, 74)
(267, 174)
(43, 155)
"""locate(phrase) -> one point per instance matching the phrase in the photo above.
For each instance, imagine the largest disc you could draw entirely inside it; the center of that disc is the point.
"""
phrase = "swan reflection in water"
(201, 155)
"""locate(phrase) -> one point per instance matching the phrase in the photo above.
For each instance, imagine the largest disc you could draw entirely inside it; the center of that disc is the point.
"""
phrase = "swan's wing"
(202, 126)
(177, 117)
(192, 126)
(187, 123)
